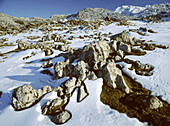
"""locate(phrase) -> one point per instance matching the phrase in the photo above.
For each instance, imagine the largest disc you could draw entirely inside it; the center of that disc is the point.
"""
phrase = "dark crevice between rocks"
(135, 104)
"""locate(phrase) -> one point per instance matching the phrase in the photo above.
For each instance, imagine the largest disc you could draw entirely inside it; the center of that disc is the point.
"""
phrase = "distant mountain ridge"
(140, 12)
(90, 14)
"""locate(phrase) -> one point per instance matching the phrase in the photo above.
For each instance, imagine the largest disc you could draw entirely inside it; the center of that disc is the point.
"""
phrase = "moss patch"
(116, 99)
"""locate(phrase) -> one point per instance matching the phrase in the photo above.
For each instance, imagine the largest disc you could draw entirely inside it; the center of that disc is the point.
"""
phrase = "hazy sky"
(46, 8)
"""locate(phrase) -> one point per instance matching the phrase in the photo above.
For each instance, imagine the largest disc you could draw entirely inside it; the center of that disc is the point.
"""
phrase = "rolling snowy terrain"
(17, 71)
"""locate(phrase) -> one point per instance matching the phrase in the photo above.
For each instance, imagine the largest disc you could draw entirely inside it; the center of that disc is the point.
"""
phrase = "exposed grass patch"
(116, 99)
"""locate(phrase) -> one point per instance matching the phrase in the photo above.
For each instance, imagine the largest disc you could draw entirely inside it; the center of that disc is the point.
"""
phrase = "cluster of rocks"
(47, 47)
(15, 25)
(142, 31)
(55, 37)
(3, 42)
(96, 60)
(140, 69)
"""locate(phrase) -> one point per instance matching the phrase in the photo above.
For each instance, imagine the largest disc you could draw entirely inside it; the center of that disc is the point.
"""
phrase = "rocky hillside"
(95, 14)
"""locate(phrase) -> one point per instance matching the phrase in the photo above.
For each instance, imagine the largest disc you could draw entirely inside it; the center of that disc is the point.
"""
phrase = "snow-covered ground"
(90, 112)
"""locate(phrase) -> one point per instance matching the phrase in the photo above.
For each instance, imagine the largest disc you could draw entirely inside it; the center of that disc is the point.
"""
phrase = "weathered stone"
(120, 53)
(25, 96)
(125, 48)
(48, 38)
(95, 52)
(61, 117)
(114, 46)
(48, 52)
(82, 93)
(59, 90)
(81, 70)
(117, 58)
(143, 29)
(54, 106)
(70, 85)
(47, 64)
(64, 48)
(155, 103)
(92, 76)
(123, 37)
(113, 77)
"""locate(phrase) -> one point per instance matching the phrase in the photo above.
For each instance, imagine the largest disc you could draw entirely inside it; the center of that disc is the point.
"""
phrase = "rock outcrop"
(113, 77)
(123, 37)
(95, 52)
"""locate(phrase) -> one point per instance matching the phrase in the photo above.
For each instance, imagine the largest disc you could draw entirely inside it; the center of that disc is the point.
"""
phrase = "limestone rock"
(47, 64)
(61, 117)
(81, 70)
(54, 106)
(25, 96)
(113, 77)
(48, 52)
(125, 48)
(92, 76)
(95, 52)
(82, 93)
(70, 85)
(59, 90)
(123, 37)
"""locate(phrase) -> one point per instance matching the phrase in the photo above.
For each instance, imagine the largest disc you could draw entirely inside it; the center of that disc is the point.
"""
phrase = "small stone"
(47, 64)
(48, 52)
(54, 106)
(61, 117)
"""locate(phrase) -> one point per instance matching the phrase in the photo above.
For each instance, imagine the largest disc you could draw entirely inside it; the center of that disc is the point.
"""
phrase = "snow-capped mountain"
(129, 10)
(148, 10)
